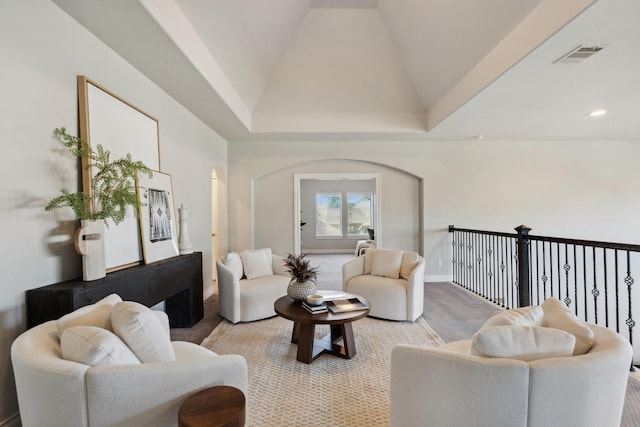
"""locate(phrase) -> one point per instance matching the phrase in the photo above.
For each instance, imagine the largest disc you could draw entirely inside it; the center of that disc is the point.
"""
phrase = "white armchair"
(392, 281)
(249, 282)
(448, 386)
(53, 391)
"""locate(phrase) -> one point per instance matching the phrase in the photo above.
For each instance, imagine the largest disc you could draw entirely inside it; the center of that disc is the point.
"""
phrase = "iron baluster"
(629, 282)
(606, 293)
(595, 291)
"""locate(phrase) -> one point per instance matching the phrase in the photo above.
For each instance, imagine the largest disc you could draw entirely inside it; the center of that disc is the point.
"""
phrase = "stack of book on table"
(315, 309)
(347, 304)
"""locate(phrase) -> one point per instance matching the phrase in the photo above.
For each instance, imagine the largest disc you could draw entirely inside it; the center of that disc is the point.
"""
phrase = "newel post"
(524, 298)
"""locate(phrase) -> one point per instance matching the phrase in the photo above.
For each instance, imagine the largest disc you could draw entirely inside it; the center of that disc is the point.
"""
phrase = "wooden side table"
(218, 406)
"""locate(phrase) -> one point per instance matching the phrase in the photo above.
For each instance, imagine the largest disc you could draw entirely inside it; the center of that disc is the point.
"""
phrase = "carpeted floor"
(285, 392)
(451, 311)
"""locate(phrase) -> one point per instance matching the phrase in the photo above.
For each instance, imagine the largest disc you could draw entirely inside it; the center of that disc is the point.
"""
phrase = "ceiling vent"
(579, 54)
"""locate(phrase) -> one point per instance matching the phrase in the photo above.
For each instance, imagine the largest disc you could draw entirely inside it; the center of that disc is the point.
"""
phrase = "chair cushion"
(142, 331)
(386, 263)
(525, 316)
(522, 342)
(94, 346)
(409, 262)
(557, 315)
(234, 262)
(257, 263)
(97, 314)
(368, 260)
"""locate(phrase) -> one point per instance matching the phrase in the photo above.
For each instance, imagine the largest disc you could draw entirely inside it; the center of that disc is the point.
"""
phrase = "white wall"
(42, 50)
(576, 189)
(273, 200)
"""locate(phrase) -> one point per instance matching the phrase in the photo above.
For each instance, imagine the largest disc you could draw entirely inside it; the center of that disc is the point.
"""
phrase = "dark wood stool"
(219, 406)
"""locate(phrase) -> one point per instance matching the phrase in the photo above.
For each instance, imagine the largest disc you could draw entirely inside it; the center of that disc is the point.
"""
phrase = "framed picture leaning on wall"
(157, 217)
(120, 127)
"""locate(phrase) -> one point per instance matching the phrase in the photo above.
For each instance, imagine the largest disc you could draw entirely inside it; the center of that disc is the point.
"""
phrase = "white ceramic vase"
(90, 244)
(300, 291)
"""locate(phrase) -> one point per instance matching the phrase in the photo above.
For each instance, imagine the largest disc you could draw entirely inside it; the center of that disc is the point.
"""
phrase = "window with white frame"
(328, 214)
(333, 208)
(359, 214)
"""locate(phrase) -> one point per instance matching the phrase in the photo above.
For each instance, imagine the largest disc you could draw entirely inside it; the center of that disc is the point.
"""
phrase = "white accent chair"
(53, 391)
(451, 386)
(248, 287)
(392, 281)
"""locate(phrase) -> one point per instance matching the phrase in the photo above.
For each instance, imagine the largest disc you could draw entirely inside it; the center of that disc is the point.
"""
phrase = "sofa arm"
(150, 394)
(429, 387)
(228, 293)
(415, 291)
(351, 269)
(41, 373)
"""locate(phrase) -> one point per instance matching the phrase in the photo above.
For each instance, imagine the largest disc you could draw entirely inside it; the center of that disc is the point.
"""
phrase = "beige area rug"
(329, 392)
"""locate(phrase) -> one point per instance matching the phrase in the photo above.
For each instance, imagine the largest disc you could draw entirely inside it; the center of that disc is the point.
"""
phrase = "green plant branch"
(112, 183)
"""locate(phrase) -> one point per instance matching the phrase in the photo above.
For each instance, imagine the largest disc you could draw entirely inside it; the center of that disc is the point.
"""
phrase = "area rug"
(328, 392)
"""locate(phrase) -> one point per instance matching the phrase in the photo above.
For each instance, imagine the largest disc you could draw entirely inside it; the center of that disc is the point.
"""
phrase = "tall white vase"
(184, 244)
(90, 244)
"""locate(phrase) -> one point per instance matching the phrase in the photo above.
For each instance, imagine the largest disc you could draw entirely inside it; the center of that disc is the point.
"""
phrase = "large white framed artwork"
(157, 217)
(121, 128)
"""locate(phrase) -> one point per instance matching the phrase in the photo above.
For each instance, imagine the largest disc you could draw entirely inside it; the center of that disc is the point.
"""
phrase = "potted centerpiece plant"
(112, 191)
(303, 277)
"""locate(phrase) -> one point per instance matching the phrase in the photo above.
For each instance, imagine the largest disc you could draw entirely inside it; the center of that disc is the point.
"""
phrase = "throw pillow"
(409, 262)
(97, 314)
(525, 316)
(557, 315)
(257, 263)
(94, 346)
(164, 320)
(522, 342)
(142, 331)
(368, 260)
(233, 261)
(386, 263)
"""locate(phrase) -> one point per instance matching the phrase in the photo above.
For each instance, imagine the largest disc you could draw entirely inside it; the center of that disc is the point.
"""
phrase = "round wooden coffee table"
(218, 406)
(304, 325)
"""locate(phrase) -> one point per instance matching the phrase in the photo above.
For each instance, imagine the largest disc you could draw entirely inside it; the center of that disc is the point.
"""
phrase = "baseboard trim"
(437, 278)
(12, 421)
(328, 251)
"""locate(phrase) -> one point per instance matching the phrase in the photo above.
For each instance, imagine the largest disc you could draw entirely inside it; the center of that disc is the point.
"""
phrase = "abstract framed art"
(120, 127)
(157, 217)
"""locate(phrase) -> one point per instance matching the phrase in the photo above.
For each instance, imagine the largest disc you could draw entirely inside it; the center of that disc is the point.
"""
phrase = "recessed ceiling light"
(597, 113)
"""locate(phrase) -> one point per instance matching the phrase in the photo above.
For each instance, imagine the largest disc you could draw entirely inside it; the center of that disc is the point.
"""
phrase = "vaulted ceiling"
(385, 69)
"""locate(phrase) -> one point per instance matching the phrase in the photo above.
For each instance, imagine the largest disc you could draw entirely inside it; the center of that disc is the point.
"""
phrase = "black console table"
(177, 281)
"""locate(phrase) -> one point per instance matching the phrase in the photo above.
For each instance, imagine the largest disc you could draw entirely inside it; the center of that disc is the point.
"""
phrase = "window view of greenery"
(359, 213)
(329, 214)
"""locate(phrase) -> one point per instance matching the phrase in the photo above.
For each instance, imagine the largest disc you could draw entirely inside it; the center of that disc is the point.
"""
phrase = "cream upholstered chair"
(114, 387)
(457, 385)
(392, 281)
(249, 282)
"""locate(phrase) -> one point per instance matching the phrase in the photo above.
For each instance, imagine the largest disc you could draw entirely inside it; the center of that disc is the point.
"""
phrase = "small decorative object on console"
(184, 243)
(109, 192)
